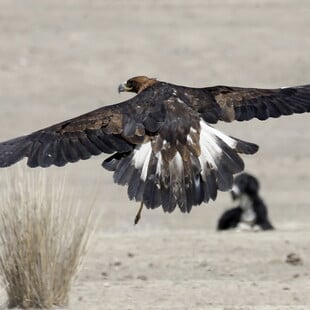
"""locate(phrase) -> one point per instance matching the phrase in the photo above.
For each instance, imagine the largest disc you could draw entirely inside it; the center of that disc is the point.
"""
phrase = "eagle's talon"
(138, 216)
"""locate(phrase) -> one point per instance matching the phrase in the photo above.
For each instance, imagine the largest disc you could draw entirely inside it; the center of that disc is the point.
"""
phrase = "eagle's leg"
(137, 218)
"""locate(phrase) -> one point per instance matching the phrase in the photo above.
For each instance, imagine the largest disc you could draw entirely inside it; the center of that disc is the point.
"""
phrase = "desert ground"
(59, 59)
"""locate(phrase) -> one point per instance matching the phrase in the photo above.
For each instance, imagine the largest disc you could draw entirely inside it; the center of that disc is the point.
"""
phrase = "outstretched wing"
(242, 104)
(115, 128)
(163, 149)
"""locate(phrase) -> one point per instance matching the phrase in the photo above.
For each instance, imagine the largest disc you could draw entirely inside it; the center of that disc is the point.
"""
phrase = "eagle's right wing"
(115, 128)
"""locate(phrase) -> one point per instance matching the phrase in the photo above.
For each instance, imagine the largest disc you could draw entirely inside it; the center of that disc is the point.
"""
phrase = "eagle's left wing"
(235, 103)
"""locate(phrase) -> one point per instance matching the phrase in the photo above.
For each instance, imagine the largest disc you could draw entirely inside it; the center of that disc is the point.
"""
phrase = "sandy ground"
(59, 59)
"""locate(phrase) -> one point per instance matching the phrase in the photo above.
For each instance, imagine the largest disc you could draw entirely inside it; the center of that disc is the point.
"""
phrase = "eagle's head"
(136, 84)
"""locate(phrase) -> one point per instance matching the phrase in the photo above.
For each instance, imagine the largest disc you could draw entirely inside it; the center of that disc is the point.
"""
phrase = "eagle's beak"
(123, 87)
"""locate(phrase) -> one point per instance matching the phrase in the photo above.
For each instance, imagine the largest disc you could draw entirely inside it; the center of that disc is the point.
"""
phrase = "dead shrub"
(43, 239)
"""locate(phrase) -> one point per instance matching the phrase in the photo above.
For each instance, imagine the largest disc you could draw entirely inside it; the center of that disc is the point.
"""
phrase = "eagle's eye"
(129, 84)
(132, 85)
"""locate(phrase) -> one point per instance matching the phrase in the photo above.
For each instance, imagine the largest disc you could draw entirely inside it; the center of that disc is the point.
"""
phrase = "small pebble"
(117, 263)
(104, 274)
(293, 259)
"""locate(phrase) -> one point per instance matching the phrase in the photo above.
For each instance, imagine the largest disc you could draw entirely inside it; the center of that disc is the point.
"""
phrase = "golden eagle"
(161, 142)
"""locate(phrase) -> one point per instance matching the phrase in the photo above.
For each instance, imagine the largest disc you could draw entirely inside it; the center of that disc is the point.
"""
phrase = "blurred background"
(59, 59)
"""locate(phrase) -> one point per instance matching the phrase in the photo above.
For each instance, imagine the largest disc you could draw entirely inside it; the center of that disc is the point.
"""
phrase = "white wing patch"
(228, 140)
(141, 158)
(210, 150)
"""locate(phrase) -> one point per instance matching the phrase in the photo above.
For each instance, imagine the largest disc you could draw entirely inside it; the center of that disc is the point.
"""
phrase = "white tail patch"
(211, 152)
(159, 164)
(177, 162)
(142, 156)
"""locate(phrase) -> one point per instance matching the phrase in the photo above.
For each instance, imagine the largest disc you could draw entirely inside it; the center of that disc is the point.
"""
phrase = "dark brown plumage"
(161, 144)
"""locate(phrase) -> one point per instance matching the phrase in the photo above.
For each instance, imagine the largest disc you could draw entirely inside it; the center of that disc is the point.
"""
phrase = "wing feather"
(225, 103)
(110, 129)
(243, 104)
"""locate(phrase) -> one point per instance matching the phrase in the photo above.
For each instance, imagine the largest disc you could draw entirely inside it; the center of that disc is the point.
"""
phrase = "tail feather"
(173, 188)
(184, 179)
(177, 195)
(151, 194)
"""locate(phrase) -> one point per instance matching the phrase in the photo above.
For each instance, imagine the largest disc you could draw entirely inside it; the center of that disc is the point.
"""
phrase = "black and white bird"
(162, 144)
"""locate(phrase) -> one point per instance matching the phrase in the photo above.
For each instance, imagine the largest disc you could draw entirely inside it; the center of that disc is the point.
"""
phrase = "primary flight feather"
(161, 142)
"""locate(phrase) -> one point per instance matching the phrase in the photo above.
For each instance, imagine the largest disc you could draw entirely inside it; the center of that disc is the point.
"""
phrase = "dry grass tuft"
(43, 238)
